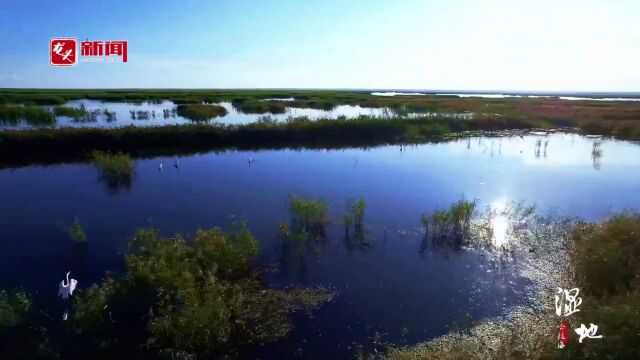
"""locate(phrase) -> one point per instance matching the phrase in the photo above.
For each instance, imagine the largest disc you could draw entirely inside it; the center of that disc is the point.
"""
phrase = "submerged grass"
(200, 112)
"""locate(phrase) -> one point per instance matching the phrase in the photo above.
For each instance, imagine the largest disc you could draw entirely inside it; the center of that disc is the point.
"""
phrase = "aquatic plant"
(115, 170)
(250, 106)
(200, 112)
(200, 295)
(308, 213)
(357, 209)
(74, 113)
(113, 164)
(76, 232)
(452, 223)
(14, 307)
(34, 115)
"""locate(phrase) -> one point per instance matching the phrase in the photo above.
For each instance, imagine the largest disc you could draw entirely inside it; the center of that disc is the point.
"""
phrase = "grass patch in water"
(76, 232)
(309, 217)
(195, 296)
(74, 113)
(113, 165)
(252, 106)
(201, 112)
(33, 115)
(451, 224)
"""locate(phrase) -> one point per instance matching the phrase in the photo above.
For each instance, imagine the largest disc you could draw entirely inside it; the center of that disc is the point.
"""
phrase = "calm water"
(390, 288)
(502, 96)
(157, 115)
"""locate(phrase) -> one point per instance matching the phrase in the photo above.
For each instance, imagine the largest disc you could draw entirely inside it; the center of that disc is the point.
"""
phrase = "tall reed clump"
(198, 296)
(453, 223)
(14, 307)
(309, 215)
(33, 115)
(200, 112)
(355, 216)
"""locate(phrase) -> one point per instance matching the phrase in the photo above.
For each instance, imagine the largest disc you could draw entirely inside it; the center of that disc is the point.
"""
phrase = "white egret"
(160, 168)
(66, 289)
(176, 163)
(251, 160)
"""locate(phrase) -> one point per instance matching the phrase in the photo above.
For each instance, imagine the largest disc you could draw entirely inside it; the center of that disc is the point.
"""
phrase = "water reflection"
(596, 154)
(115, 183)
(157, 113)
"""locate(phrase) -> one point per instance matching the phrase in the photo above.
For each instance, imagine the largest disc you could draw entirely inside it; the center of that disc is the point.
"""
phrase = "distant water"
(501, 96)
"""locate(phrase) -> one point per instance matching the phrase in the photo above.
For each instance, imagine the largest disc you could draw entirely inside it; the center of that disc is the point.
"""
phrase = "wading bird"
(160, 168)
(176, 163)
(66, 289)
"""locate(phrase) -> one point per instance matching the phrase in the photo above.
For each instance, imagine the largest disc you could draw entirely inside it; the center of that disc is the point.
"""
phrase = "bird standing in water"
(66, 289)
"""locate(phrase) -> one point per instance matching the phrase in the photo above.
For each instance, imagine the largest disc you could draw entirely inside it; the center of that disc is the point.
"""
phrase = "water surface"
(394, 288)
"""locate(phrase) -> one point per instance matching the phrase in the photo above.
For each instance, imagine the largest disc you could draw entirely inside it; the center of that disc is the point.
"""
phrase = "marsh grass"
(113, 164)
(357, 211)
(198, 296)
(115, 170)
(452, 224)
(75, 113)
(309, 218)
(76, 232)
(253, 106)
(33, 115)
(200, 112)
(309, 213)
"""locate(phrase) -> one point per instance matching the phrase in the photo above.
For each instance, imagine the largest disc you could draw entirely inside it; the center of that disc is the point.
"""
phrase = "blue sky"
(573, 45)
